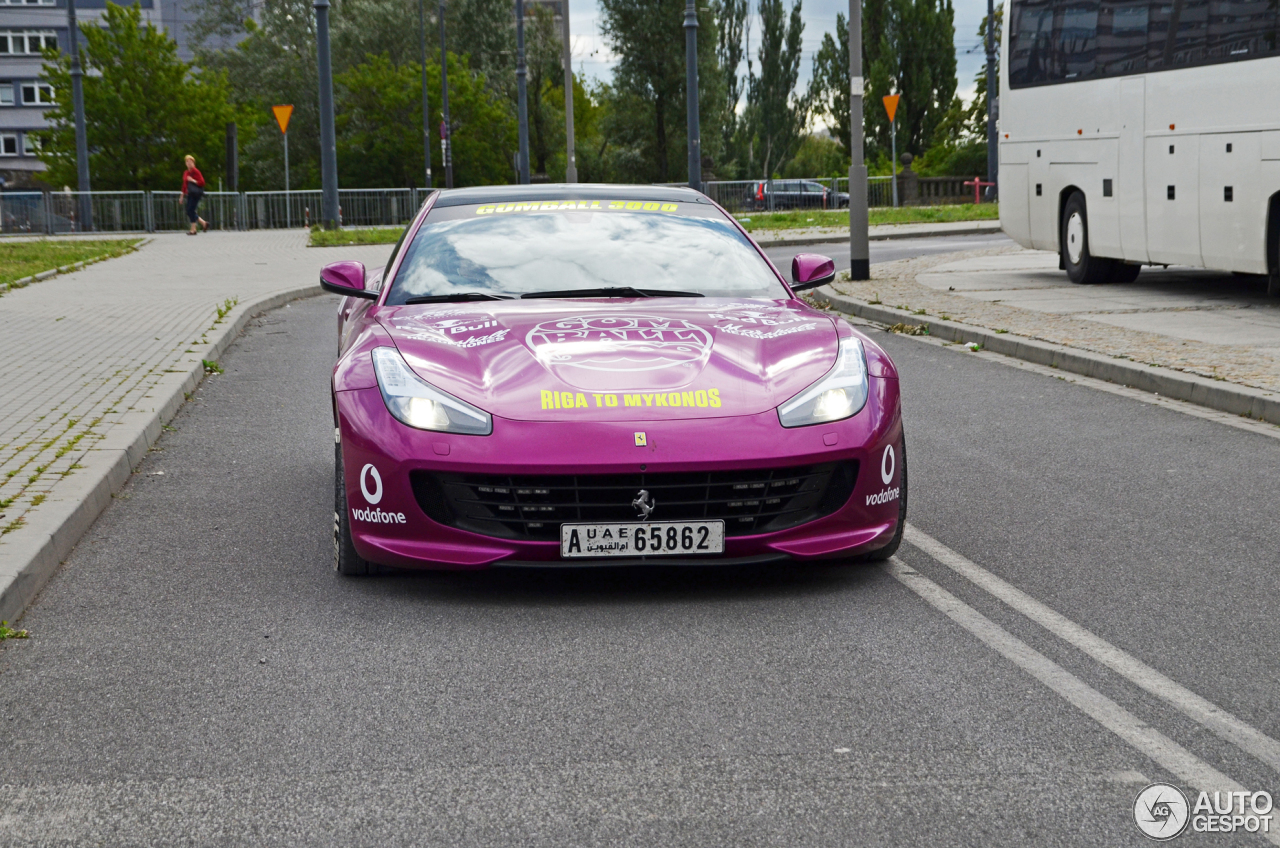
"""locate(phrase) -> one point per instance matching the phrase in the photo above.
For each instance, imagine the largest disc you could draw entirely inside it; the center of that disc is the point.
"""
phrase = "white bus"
(1142, 132)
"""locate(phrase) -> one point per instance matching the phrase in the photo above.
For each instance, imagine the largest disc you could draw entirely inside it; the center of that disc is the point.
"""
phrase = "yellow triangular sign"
(890, 105)
(283, 113)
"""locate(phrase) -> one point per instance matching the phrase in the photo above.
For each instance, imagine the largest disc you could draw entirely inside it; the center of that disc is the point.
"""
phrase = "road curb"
(27, 564)
(978, 227)
(1202, 391)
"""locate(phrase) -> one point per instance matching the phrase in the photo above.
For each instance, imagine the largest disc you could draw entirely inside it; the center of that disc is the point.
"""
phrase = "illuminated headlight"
(840, 394)
(419, 404)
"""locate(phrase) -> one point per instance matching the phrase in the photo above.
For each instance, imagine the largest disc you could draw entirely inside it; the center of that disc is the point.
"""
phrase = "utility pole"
(522, 72)
(571, 159)
(993, 101)
(82, 140)
(445, 130)
(329, 215)
(859, 248)
(691, 83)
(426, 113)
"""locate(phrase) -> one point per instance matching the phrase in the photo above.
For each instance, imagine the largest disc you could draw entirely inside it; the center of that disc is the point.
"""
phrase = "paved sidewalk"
(1220, 330)
(93, 363)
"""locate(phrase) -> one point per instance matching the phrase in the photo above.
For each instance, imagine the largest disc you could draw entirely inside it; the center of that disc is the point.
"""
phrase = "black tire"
(1123, 272)
(345, 559)
(1273, 284)
(1073, 245)
(892, 548)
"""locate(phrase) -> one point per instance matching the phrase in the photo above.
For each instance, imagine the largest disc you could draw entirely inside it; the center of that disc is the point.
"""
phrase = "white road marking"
(1208, 715)
(1166, 753)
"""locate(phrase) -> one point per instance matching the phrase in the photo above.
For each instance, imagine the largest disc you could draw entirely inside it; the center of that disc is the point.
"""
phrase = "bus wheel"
(1123, 272)
(1082, 268)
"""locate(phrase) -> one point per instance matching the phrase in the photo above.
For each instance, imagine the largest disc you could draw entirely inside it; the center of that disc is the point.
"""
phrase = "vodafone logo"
(888, 465)
(372, 497)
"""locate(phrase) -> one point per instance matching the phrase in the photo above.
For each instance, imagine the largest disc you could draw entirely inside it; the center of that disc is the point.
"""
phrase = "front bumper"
(389, 527)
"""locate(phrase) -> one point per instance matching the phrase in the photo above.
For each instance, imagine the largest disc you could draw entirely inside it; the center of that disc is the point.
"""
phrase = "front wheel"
(1082, 267)
(345, 559)
(892, 548)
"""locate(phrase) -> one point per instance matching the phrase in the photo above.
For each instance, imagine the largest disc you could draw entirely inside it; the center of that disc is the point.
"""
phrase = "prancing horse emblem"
(644, 504)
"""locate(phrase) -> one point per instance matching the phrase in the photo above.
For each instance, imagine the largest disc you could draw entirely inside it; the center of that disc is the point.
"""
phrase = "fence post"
(148, 212)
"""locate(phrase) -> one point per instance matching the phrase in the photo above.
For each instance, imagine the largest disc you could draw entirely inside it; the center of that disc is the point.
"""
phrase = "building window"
(27, 2)
(16, 42)
(6, 94)
(8, 145)
(36, 94)
(30, 144)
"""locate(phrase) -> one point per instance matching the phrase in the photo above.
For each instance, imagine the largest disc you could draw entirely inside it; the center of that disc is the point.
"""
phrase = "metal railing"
(55, 213)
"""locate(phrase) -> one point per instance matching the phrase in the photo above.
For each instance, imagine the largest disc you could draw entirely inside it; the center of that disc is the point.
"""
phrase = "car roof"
(564, 191)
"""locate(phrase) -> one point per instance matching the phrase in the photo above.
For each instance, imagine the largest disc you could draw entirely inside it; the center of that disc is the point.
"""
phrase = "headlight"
(840, 394)
(421, 405)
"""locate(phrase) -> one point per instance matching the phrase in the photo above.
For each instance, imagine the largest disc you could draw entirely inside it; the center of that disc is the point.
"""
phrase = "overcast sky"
(592, 58)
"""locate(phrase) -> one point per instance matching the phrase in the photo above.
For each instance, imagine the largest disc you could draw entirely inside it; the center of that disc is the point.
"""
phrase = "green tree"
(731, 20)
(379, 124)
(145, 109)
(648, 89)
(776, 115)
(908, 49)
(817, 156)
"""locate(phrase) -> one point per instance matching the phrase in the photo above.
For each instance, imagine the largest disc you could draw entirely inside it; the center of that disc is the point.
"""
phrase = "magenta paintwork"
(809, 268)
(570, 382)
(345, 274)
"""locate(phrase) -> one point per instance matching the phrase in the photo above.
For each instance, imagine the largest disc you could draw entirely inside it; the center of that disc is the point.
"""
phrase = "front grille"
(534, 506)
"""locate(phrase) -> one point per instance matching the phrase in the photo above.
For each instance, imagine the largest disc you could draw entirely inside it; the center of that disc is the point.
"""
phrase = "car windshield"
(515, 249)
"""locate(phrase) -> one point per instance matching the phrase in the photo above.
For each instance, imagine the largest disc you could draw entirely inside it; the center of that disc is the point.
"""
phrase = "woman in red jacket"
(192, 191)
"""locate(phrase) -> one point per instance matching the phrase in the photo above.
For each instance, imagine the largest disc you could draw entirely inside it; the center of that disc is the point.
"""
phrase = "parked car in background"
(767, 195)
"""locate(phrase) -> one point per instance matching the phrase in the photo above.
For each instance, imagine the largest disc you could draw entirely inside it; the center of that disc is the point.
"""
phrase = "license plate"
(660, 538)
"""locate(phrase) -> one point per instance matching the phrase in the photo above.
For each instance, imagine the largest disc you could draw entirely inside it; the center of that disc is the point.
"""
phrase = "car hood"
(611, 360)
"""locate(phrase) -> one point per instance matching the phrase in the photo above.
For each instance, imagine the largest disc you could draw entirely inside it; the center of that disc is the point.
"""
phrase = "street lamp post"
(82, 140)
(691, 84)
(571, 164)
(522, 72)
(329, 215)
(426, 112)
(993, 151)
(446, 153)
(859, 248)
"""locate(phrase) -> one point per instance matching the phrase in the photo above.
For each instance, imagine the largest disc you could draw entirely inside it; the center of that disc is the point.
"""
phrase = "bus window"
(1122, 37)
(1241, 29)
(1076, 32)
(1179, 34)
(1029, 51)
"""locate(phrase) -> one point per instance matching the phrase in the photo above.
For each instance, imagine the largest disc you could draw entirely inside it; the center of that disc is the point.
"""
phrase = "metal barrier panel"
(113, 211)
(222, 209)
(23, 212)
(275, 210)
(381, 207)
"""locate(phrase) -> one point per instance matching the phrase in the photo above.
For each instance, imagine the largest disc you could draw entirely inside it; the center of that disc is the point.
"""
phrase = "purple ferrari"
(603, 375)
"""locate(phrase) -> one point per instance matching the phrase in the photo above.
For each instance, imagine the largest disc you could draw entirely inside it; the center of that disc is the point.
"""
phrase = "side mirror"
(809, 270)
(345, 278)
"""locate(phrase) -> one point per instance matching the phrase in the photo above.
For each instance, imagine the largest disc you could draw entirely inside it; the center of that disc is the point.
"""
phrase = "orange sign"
(283, 114)
(890, 105)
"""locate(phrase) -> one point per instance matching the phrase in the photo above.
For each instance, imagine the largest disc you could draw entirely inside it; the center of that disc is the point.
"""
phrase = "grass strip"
(340, 238)
(24, 258)
(797, 219)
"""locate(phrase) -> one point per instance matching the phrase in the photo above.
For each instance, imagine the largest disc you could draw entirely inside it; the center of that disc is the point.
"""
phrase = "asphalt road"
(198, 675)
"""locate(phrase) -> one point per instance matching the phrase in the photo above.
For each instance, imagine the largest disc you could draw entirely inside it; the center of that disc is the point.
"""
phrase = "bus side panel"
(1104, 212)
(1042, 197)
(1233, 207)
(1013, 193)
(1130, 195)
(1173, 205)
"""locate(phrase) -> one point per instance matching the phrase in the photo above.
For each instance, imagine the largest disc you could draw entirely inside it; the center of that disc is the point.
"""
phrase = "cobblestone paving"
(80, 351)
(896, 284)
